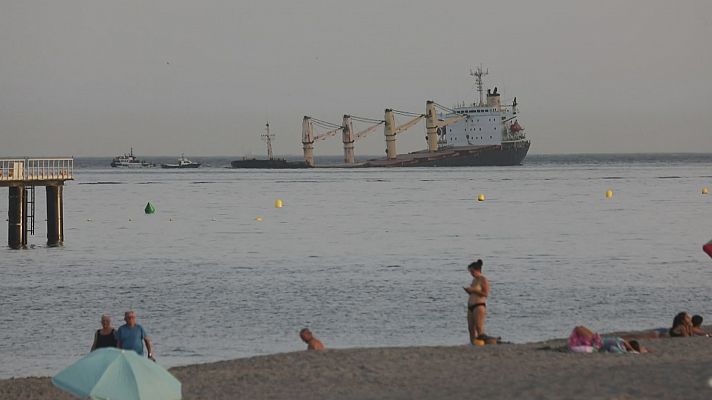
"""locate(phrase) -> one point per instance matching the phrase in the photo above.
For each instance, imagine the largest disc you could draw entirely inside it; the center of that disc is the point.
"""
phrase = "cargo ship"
(484, 133)
(270, 162)
(481, 133)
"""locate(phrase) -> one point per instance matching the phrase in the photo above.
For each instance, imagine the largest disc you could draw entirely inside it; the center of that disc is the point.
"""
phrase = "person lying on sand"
(312, 342)
(697, 326)
(583, 340)
(477, 302)
(681, 325)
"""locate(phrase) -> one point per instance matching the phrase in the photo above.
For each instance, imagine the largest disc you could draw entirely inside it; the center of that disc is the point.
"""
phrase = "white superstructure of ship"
(489, 123)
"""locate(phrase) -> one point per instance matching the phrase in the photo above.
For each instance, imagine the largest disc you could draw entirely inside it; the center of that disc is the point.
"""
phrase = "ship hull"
(176, 166)
(268, 164)
(131, 165)
(508, 153)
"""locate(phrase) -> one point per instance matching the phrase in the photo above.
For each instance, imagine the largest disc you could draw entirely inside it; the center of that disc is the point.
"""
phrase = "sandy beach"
(677, 368)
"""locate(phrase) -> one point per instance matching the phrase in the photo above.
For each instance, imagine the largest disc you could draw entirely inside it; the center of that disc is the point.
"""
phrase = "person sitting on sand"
(106, 336)
(477, 302)
(697, 326)
(681, 325)
(312, 342)
(584, 340)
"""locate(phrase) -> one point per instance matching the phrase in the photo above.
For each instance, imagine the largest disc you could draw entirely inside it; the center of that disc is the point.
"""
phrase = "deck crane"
(390, 130)
(432, 123)
(308, 137)
(349, 137)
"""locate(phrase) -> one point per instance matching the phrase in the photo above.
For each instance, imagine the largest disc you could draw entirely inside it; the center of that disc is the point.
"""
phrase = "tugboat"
(130, 161)
(182, 163)
(270, 162)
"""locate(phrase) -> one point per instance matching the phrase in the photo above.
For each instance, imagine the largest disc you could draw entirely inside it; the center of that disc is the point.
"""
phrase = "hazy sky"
(92, 78)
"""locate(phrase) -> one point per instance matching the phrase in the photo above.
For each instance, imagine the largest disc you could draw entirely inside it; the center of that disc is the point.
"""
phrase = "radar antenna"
(267, 137)
(478, 74)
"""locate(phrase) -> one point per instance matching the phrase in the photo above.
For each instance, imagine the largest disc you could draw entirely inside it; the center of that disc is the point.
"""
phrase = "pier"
(21, 176)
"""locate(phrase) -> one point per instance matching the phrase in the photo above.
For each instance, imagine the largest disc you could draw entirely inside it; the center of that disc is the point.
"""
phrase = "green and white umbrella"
(112, 374)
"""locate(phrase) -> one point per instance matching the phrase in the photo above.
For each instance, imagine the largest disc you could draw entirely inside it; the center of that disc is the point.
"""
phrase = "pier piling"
(16, 221)
(55, 215)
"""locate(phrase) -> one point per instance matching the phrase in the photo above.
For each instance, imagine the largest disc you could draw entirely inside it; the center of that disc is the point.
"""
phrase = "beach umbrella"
(112, 374)
(708, 248)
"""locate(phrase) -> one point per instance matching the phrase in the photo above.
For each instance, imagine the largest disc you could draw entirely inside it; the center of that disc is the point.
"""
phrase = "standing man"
(312, 342)
(477, 302)
(132, 335)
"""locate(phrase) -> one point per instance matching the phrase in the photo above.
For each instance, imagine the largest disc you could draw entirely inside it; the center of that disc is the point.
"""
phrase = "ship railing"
(36, 169)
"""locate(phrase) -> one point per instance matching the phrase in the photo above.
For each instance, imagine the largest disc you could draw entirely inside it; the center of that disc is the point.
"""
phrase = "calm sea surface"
(363, 257)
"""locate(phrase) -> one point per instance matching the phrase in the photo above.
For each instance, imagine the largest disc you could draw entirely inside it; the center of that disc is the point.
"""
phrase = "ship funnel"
(493, 99)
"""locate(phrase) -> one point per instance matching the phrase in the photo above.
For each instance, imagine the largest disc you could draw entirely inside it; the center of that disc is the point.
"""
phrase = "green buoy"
(149, 208)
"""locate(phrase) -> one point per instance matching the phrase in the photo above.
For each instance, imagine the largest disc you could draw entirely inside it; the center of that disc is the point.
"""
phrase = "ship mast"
(267, 137)
(478, 74)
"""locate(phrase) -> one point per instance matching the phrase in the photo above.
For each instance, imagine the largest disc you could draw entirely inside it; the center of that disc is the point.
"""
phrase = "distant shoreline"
(369, 156)
(213, 162)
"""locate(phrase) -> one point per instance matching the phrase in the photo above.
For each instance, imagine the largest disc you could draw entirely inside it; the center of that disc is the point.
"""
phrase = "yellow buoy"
(278, 203)
(705, 190)
(258, 219)
(609, 194)
(481, 197)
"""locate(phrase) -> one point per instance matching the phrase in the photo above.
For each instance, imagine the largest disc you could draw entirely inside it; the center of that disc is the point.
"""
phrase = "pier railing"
(36, 169)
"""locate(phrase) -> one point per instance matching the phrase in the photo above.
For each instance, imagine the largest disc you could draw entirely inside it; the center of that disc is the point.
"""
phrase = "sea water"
(368, 257)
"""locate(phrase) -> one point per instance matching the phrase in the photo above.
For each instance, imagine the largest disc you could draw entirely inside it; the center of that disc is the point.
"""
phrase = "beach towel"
(582, 349)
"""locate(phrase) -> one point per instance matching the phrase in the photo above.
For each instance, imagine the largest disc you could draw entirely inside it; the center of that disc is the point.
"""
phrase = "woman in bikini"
(477, 301)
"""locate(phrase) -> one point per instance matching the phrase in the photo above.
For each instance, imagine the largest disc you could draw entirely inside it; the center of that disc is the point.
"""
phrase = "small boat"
(130, 161)
(182, 163)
